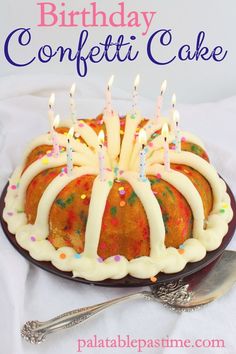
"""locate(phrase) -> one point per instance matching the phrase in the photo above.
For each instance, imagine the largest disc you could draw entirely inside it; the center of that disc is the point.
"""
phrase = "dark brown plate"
(127, 281)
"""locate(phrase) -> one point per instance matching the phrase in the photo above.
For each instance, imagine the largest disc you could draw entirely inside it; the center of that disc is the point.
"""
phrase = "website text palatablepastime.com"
(140, 344)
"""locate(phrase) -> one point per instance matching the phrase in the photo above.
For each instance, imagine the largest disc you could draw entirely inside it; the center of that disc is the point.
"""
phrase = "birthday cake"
(116, 196)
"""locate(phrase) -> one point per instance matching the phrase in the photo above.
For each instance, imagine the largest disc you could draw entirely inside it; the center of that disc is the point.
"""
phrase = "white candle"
(72, 103)
(56, 149)
(177, 132)
(108, 104)
(101, 156)
(165, 134)
(142, 137)
(51, 103)
(135, 94)
(173, 105)
(160, 100)
(69, 150)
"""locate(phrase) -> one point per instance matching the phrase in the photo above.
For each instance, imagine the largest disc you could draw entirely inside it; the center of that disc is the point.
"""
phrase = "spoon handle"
(36, 332)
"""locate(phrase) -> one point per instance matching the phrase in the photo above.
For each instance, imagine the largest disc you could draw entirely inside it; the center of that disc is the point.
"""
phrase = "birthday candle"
(177, 132)
(160, 100)
(172, 112)
(72, 103)
(108, 105)
(56, 149)
(142, 137)
(51, 103)
(135, 94)
(69, 151)
(165, 134)
(101, 156)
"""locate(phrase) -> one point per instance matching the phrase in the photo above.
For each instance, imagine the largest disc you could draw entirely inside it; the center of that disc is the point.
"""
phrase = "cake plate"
(127, 281)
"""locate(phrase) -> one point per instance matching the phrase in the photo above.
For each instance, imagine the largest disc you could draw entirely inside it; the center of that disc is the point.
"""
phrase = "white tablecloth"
(27, 292)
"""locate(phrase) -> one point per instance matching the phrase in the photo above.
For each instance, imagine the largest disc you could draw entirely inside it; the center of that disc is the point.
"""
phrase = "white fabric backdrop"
(27, 292)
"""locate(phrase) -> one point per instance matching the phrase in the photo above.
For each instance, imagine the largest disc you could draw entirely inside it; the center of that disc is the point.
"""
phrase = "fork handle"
(36, 332)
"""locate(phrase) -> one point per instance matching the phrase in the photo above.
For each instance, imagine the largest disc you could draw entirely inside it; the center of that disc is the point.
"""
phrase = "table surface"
(28, 292)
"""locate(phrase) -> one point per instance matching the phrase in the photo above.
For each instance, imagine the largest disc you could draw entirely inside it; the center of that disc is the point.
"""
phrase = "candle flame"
(51, 100)
(136, 81)
(110, 82)
(70, 133)
(163, 87)
(142, 137)
(72, 90)
(56, 121)
(101, 137)
(173, 100)
(165, 130)
(176, 117)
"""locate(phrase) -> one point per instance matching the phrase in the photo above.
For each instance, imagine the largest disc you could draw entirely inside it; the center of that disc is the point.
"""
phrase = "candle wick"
(143, 146)
(165, 138)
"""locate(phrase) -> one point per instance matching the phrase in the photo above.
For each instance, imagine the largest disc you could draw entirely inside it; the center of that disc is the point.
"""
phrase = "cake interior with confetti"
(111, 196)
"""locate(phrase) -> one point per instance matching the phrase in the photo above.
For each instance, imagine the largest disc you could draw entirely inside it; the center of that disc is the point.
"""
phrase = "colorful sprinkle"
(183, 139)
(110, 183)
(121, 188)
(153, 279)
(117, 258)
(10, 213)
(181, 251)
(150, 144)
(77, 255)
(113, 211)
(133, 116)
(181, 247)
(62, 256)
(225, 206)
(83, 196)
(81, 125)
(158, 175)
(33, 238)
(13, 186)
(114, 221)
(103, 245)
(45, 161)
(222, 211)
(100, 260)
(122, 203)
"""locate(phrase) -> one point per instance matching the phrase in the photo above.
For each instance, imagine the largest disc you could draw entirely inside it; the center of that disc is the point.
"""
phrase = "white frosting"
(207, 234)
(132, 122)
(97, 205)
(112, 123)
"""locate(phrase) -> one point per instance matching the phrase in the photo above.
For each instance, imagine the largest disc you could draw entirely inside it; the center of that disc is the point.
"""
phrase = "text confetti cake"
(112, 196)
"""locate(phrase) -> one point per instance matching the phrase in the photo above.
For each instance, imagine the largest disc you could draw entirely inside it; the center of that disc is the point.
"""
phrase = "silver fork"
(185, 294)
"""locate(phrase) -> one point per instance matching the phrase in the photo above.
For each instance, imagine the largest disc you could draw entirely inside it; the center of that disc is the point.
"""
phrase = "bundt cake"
(109, 227)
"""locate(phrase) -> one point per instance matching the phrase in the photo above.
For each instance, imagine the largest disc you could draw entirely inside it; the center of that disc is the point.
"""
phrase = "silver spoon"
(186, 294)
